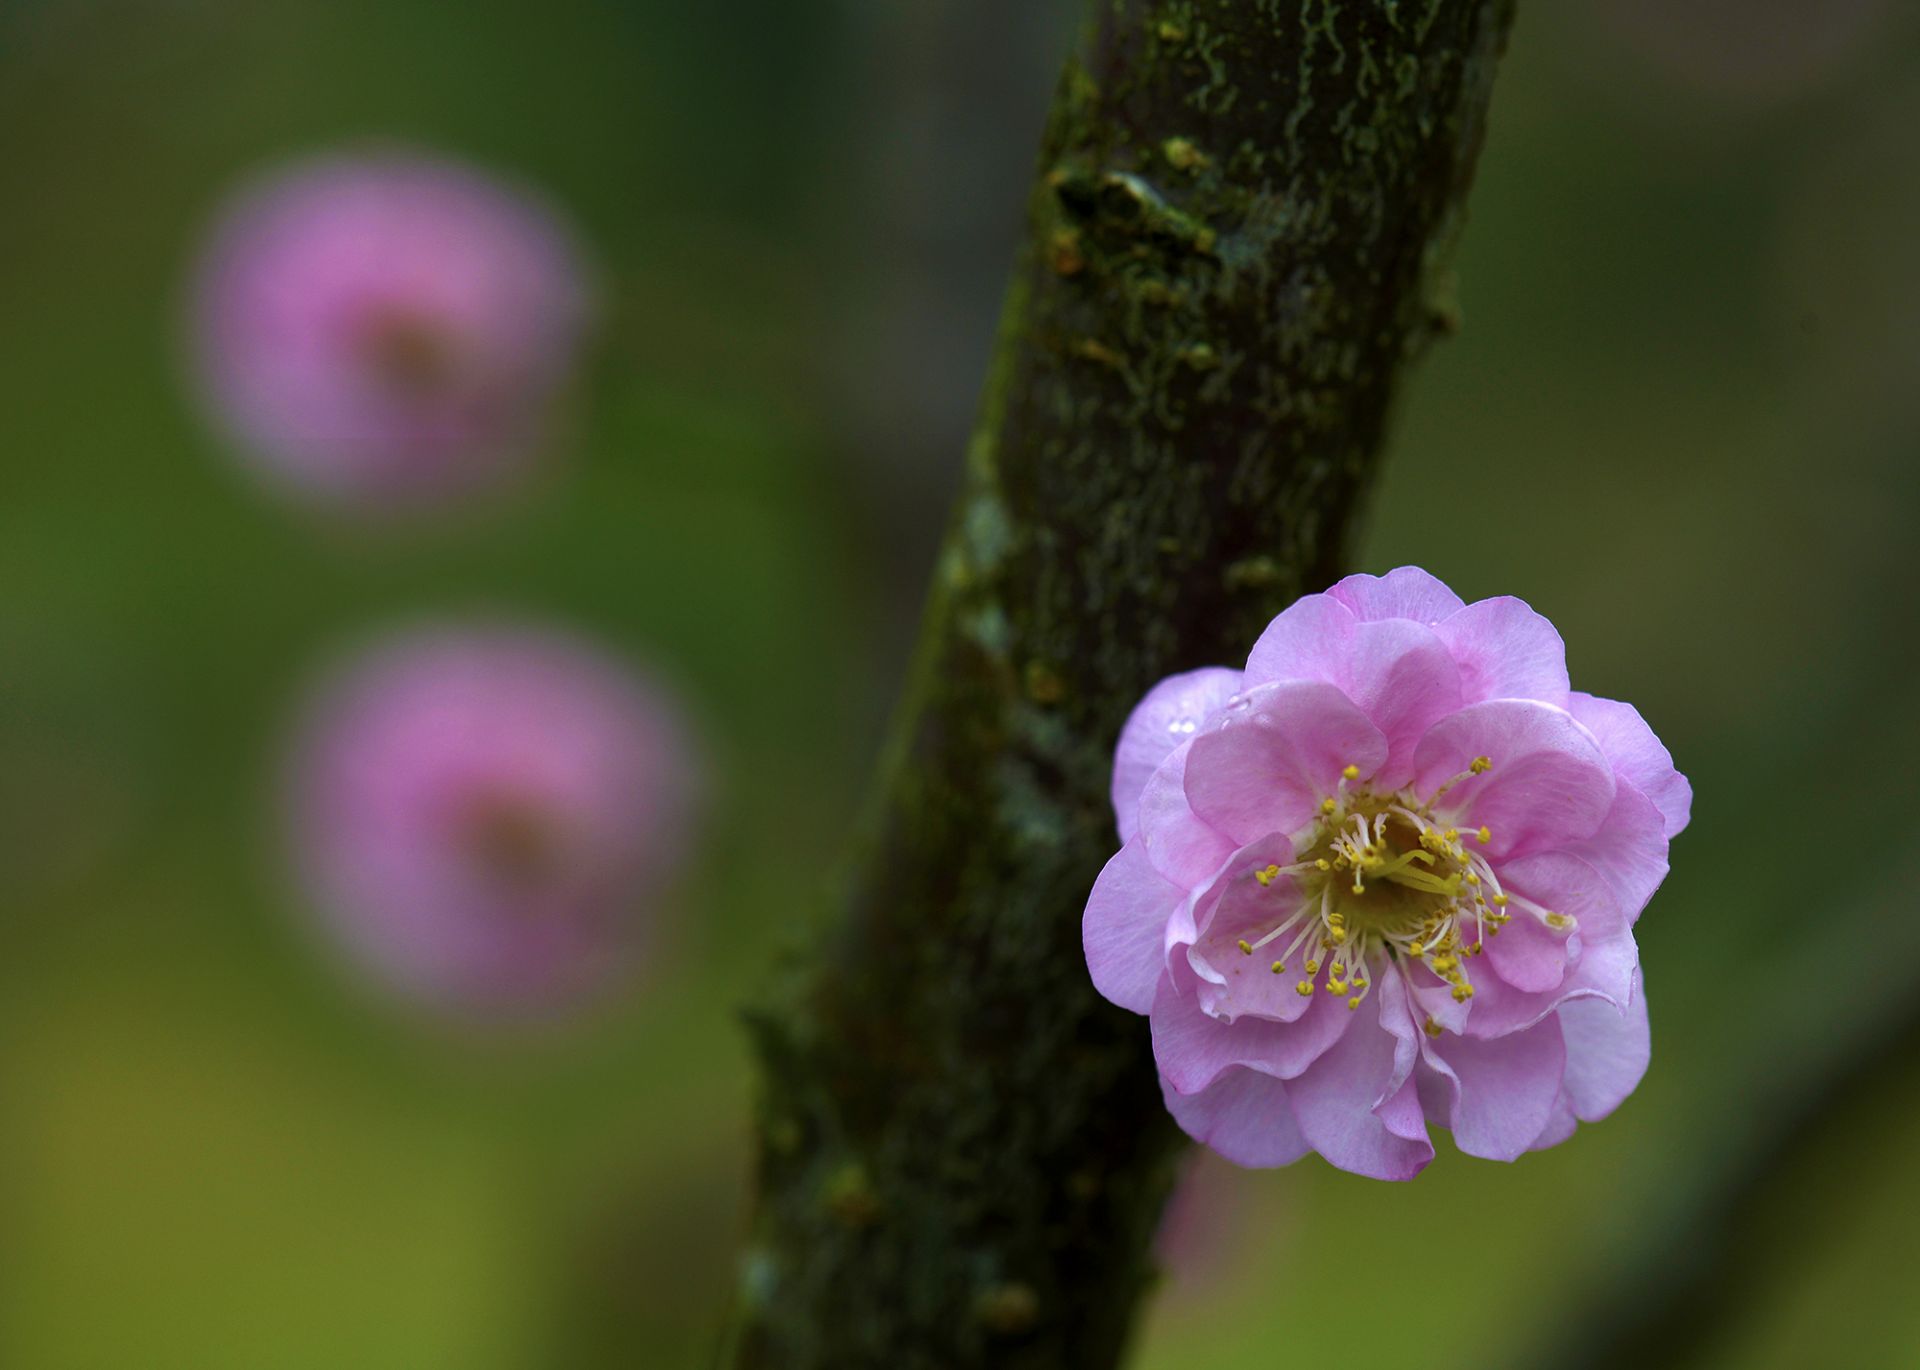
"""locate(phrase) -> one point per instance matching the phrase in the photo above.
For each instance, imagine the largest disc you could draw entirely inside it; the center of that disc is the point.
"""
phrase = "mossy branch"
(1239, 238)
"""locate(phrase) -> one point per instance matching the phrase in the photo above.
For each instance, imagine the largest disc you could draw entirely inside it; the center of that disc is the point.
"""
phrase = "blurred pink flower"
(1205, 1228)
(486, 815)
(388, 330)
(1386, 877)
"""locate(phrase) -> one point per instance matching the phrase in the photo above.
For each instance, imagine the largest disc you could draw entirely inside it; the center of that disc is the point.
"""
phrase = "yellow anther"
(1472, 878)
(1324, 864)
(1246, 947)
(1499, 901)
(1485, 834)
(1351, 772)
(1451, 835)
(1338, 934)
(1433, 1028)
(1481, 765)
(1559, 920)
(1327, 805)
(1354, 1002)
(1279, 966)
(1313, 966)
(1304, 988)
(1416, 949)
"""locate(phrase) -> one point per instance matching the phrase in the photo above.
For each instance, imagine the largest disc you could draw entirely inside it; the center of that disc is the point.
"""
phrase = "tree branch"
(1238, 239)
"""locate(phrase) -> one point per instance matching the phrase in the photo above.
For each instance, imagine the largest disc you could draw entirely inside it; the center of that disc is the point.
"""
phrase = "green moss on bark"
(1238, 239)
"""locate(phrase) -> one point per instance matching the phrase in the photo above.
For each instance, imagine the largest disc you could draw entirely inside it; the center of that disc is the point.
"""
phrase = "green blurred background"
(1681, 421)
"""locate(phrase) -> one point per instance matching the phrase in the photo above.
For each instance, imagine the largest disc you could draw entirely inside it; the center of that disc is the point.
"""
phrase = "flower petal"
(1168, 715)
(1506, 651)
(1602, 969)
(1403, 678)
(1638, 756)
(1334, 1102)
(1275, 754)
(1244, 1116)
(1307, 641)
(1527, 955)
(1629, 851)
(1124, 926)
(1182, 847)
(1549, 784)
(1193, 1049)
(1500, 1094)
(1239, 908)
(1405, 592)
(1561, 1122)
(1607, 1052)
(1564, 883)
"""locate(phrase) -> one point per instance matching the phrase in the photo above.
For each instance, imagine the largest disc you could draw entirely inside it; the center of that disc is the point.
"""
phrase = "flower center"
(410, 355)
(1386, 885)
(513, 841)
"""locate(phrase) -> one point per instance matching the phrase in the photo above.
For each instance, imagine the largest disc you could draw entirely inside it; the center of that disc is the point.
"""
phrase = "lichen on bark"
(1238, 239)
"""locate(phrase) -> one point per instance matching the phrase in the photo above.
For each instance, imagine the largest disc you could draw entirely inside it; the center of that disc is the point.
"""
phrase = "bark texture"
(1239, 237)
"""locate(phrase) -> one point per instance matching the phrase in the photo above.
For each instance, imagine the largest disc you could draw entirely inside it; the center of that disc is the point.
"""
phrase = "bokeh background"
(1681, 421)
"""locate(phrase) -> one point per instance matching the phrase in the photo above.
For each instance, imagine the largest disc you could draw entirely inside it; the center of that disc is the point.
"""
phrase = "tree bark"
(1239, 237)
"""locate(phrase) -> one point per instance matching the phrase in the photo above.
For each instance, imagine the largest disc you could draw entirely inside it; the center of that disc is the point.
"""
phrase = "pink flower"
(1387, 876)
(389, 329)
(486, 815)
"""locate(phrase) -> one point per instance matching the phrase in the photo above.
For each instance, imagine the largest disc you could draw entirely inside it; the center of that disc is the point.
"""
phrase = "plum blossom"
(387, 330)
(486, 816)
(1386, 877)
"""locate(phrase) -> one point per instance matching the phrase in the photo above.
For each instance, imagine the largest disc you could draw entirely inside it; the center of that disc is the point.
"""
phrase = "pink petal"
(1238, 907)
(1182, 847)
(1266, 766)
(1334, 1102)
(1404, 679)
(1401, 1115)
(1169, 714)
(1602, 969)
(1560, 1123)
(1637, 756)
(1526, 955)
(1308, 641)
(1406, 592)
(1549, 785)
(1500, 1093)
(1193, 1049)
(1396, 1016)
(1244, 1117)
(1506, 651)
(1124, 925)
(1629, 851)
(1564, 883)
(1607, 1052)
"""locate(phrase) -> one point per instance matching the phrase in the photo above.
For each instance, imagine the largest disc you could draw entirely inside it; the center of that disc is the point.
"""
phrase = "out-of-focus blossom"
(1744, 52)
(1206, 1228)
(487, 816)
(1385, 877)
(388, 330)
